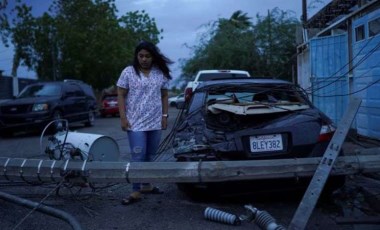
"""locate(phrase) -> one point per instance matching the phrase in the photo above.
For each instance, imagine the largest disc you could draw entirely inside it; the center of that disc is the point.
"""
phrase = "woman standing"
(143, 106)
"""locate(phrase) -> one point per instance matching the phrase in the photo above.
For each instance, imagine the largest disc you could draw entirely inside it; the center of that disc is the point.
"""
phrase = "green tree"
(79, 39)
(228, 44)
(3, 21)
(19, 33)
(275, 38)
(265, 49)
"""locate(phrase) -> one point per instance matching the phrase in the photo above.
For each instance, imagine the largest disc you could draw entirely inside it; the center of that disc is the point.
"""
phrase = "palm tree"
(240, 20)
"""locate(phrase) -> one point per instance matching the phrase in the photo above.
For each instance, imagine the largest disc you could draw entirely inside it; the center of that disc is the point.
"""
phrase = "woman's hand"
(124, 124)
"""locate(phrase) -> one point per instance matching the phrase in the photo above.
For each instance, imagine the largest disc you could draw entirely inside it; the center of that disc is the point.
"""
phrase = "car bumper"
(24, 121)
(109, 111)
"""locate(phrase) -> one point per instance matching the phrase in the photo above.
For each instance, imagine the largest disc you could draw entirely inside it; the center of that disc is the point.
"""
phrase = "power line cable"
(348, 94)
(351, 69)
(350, 61)
(366, 56)
(363, 75)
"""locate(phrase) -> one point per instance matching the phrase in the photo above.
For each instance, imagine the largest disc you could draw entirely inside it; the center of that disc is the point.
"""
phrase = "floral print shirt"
(143, 101)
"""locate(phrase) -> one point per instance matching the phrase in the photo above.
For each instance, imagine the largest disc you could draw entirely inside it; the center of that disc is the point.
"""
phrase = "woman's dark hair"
(157, 58)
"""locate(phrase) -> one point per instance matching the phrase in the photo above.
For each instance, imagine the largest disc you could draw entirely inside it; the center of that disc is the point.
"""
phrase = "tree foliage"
(80, 40)
(265, 49)
(275, 37)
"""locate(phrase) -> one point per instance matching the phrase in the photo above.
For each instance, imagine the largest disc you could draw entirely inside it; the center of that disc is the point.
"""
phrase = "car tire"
(173, 104)
(90, 119)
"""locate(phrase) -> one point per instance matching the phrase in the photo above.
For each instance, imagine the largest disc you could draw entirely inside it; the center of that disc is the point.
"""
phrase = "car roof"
(241, 81)
(223, 71)
(88, 90)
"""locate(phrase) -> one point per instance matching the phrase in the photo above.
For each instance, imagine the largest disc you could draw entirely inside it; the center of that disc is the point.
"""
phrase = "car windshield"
(42, 90)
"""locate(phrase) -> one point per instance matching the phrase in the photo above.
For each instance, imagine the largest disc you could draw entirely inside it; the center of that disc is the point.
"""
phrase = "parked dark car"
(40, 103)
(249, 119)
(109, 105)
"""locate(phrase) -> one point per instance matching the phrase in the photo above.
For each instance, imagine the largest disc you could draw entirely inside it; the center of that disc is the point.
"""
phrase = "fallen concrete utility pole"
(314, 190)
(36, 170)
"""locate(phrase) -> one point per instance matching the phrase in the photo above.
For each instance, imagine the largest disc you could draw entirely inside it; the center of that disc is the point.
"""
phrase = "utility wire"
(349, 62)
(366, 56)
(35, 208)
(363, 75)
(357, 91)
(355, 66)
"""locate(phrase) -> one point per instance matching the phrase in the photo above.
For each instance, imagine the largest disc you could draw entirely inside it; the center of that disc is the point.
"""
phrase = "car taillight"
(188, 94)
(326, 133)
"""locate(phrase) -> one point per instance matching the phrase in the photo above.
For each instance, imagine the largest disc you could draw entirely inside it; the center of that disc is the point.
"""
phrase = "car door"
(75, 103)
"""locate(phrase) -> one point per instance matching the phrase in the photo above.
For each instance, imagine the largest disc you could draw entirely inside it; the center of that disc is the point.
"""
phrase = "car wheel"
(90, 119)
(173, 104)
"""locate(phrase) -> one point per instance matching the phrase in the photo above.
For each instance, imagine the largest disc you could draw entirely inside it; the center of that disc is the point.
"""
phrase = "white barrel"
(96, 147)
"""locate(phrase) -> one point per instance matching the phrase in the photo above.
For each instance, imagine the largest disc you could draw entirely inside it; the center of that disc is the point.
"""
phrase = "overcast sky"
(181, 21)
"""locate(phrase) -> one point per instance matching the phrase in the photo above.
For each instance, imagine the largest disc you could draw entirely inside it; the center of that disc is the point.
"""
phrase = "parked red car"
(109, 105)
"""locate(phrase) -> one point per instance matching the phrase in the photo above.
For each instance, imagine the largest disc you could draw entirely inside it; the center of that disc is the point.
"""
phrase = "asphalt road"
(100, 208)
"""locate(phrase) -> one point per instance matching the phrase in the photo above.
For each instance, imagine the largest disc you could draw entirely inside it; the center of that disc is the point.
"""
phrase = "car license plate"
(266, 143)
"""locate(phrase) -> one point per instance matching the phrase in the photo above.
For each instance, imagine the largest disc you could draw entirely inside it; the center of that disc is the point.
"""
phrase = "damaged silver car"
(248, 119)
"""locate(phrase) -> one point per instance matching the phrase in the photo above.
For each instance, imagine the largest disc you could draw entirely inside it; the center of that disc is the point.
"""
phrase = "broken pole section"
(36, 170)
(314, 190)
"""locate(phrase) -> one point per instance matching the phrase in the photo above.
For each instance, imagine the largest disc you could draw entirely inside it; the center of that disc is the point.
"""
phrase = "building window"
(359, 33)
(374, 27)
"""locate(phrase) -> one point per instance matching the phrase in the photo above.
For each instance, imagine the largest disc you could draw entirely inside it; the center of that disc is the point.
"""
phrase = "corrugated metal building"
(340, 59)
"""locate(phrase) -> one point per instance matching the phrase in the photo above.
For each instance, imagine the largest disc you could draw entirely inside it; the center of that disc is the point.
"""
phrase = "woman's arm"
(164, 98)
(121, 95)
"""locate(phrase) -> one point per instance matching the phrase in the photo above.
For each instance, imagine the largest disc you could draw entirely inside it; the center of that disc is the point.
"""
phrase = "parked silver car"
(179, 99)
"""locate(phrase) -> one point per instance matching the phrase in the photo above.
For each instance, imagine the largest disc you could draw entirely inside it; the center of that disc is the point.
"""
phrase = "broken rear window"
(255, 100)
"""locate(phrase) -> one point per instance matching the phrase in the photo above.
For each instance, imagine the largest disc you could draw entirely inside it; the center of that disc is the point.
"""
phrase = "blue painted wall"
(329, 71)
(366, 78)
